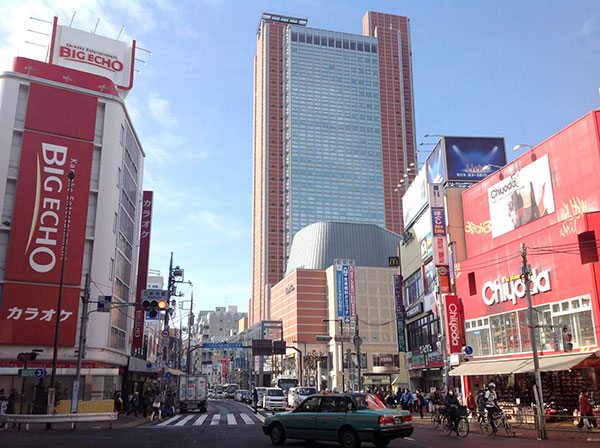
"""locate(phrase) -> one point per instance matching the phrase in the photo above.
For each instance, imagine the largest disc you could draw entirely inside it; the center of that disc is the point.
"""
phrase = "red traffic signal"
(162, 304)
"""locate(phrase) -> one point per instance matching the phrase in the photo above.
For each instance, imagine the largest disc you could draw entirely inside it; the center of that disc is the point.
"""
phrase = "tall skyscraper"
(333, 133)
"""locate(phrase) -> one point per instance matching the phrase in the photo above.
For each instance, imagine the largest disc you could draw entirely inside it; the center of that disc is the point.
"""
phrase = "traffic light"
(152, 307)
(567, 339)
(162, 305)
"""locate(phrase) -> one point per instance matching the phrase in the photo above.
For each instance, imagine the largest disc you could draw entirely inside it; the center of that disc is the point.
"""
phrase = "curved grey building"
(316, 246)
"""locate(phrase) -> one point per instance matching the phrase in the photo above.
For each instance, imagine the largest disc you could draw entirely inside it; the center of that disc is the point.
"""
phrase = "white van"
(296, 395)
(273, 399)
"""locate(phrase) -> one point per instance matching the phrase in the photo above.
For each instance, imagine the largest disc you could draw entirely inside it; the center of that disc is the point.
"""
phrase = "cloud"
(590, 26)
(160, 109)
(220, 224)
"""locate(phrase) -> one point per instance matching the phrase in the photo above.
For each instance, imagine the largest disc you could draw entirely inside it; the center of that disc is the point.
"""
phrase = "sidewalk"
(526, 433)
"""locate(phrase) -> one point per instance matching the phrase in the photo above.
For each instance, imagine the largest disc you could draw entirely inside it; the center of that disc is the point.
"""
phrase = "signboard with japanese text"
(346, 290)
(351, 279)
(454, 324)
(399, 308)
(144, 255)
(51, 148)
(339, 291)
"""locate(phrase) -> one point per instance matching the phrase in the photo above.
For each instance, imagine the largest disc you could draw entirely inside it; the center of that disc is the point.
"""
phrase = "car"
(350, 419)
(247, 396)
(273, 399)
(297, 395)
(239, 395)
(211, 393)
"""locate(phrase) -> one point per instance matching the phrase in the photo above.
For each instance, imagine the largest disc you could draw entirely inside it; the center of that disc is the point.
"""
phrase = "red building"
(548, 199)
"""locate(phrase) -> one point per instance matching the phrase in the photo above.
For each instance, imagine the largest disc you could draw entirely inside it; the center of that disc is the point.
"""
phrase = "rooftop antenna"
(120, 31)
(96, 27)
(72, 17)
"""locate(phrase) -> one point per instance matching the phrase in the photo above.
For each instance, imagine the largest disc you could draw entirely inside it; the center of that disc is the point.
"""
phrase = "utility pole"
(82, 339)
(343, 355)
(190, 323)
(539, 398)
(357, 344)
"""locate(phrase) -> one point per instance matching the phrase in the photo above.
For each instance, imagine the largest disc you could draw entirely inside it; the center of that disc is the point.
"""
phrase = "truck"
(193, 392)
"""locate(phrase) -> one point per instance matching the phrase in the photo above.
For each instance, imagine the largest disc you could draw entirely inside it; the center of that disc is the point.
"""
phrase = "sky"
(522, 70)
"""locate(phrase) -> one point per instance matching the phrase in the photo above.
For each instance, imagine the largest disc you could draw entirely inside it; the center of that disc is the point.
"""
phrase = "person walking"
(169, 402)
(134, 404)
(586, 413)
(255, 399)
(10, 406)
(390, 400)
(156, 407)
(118, 402)
(421, 402)
(406, 399)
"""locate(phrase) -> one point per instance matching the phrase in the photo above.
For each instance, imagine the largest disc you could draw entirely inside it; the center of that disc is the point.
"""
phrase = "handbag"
(156, 404)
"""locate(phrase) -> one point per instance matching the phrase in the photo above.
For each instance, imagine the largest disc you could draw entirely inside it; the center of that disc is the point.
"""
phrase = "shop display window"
(505, 334)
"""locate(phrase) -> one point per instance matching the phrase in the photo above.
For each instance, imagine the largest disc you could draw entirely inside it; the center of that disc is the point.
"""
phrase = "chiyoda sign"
(510, 288)
(454, 324)
(92, 53)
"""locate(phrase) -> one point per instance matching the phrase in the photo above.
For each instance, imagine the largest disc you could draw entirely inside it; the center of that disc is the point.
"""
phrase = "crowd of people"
(151, 404)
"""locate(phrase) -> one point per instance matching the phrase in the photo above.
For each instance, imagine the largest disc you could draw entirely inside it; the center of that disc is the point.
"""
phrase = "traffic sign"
(222, 345)
(31, 373)
(168, 375)
(40, 373)
(148, 365)
(164, 333)
(468, 350)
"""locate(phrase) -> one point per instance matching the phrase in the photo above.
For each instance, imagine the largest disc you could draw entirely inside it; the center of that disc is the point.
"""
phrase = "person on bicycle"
(436, 398)
(491, 405)
(451, 402)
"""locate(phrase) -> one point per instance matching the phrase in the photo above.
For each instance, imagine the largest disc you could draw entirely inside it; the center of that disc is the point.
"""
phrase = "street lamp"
(301, 355)
(71, 176)
(520, 146)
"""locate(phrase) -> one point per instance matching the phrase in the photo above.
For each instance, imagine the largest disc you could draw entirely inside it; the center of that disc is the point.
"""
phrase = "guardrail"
(27, 419)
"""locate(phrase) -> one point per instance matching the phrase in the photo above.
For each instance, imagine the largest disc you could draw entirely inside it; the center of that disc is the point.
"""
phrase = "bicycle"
(436, 417)
(501, 421)
(462, 424)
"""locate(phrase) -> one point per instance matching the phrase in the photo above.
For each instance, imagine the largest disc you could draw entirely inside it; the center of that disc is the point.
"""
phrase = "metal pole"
(525, 275)
(357, 345)
(443, 330)
(82, 333)
(71, 176)
(189, 363)
(343, 354)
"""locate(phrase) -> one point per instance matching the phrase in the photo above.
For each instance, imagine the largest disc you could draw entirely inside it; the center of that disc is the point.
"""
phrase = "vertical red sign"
(142, 280)
(454, 324)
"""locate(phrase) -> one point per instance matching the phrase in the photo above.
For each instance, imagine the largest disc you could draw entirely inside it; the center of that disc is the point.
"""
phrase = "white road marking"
(247, 419)
(215, 419)
(184, 420)
(410, 438)
(260, 417)
(231, 419)
(169, 421)
(200, 420)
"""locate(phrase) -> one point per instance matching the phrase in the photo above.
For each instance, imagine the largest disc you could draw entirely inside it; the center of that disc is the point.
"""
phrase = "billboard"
(470, 159)
(521, 198)
(94, 54)
(34, 263)
(415, 198)
(454, 324)
(144, 254)
(399, 308)
(345, 290)
(435, 165)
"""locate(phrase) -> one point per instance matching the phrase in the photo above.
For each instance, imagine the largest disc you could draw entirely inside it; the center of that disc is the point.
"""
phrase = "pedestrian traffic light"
(567, 339)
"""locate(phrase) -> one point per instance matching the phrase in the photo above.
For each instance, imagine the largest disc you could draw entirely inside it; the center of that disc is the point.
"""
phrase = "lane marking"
(410, 438)
(247, 419)
(215, 419)
(231, 419)
(169, 421)
(184, 420)
(260, 417)
(200, 420)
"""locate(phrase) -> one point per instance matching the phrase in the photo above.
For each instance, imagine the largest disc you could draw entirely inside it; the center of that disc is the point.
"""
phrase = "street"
(234, 425)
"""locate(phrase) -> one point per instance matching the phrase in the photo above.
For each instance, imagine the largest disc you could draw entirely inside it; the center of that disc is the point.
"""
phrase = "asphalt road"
(230, 424)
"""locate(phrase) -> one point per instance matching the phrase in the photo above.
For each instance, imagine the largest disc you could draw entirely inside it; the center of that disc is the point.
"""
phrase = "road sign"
(468, 350)
(40, 373)
(148, 365)
(222, 345)
(164, 333)
(74, 395)
(155, 294)
(168, 375)
(31, 373)
(344, 338)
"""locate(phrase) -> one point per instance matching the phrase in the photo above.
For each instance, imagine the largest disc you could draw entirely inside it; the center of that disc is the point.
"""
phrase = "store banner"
(454, 324)
(346, 288)
(352, 293)
(521, 198)
(415, 198)
(144, 255)
(340, 291)
(400, 319)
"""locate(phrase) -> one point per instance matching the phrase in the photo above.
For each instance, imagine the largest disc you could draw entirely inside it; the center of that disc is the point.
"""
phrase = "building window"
(413, 288)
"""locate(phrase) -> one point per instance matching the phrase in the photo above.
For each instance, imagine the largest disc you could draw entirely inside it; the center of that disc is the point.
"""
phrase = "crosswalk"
(241, 419)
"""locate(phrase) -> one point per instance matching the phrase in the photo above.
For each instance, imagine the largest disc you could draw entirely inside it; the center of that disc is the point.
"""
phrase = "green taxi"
(350, 419)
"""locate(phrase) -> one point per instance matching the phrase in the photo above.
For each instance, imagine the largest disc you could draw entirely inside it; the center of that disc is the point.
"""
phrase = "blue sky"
(518, 69)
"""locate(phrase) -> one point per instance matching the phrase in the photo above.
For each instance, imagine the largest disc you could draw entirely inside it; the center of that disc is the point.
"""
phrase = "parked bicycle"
(461, 426)
(501, 421)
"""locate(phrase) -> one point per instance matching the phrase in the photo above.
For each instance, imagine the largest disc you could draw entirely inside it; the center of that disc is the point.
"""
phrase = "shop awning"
(176, 372)
(494, 367)
(555, 362)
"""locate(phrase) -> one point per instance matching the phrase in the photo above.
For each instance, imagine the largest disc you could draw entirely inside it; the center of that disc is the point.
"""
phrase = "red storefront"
(547, 199)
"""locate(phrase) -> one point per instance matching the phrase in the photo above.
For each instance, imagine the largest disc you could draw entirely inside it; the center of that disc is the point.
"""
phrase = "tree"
(311, 360)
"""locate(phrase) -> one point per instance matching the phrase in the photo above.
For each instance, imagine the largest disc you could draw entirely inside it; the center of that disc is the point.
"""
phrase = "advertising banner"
(415, 198)
(400, 322)
(454, 324)
(144, 254)
(470, 159)
(435, 165)
(340, 291)
(521, 198)
(352, 293)
(426, 247)
(346, 287)
(92, 53)
(440, 251)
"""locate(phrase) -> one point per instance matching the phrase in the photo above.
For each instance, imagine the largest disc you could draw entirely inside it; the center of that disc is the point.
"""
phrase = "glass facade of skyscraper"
(332, 122)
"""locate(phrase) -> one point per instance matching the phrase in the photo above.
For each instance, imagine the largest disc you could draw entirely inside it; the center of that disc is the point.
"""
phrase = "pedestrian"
(491, 405)
(436, 398)
(586, 413)
(390, 400)
(406, 399)
(156, 407)
(471, 404)
(10, 407)
(134, 404)
(255, 399)
(118, 402)
(421, 402)
(145, 401)
(169, 402)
